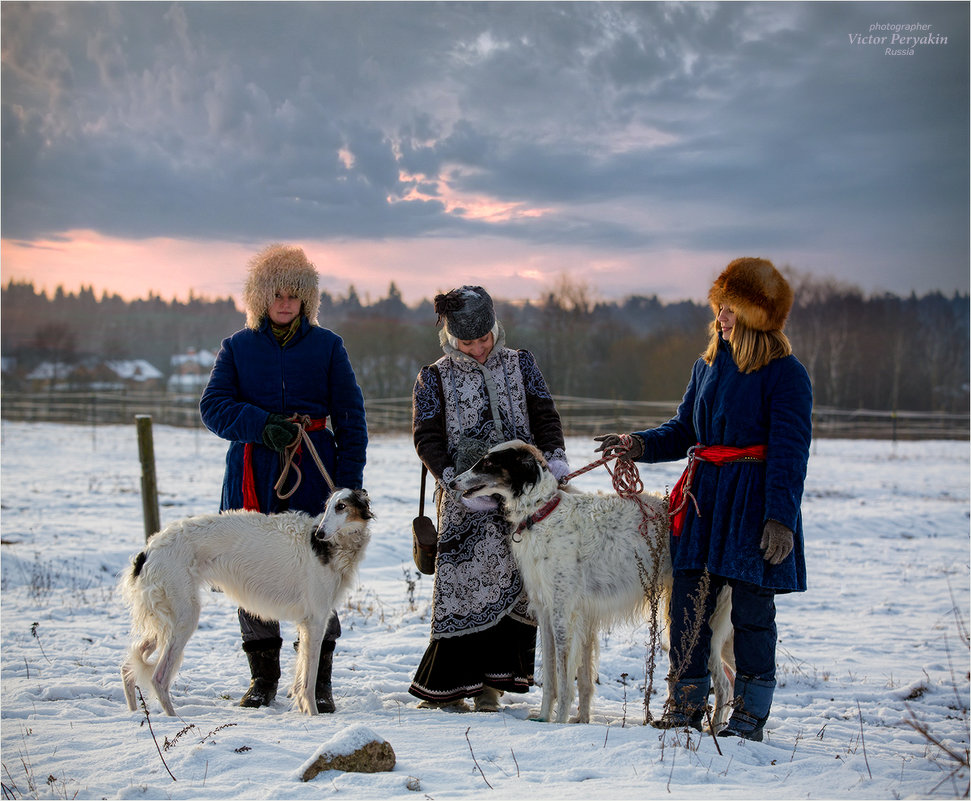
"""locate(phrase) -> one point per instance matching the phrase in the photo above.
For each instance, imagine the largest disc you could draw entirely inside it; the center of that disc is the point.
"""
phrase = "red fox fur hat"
(275, 268)
(756, 291)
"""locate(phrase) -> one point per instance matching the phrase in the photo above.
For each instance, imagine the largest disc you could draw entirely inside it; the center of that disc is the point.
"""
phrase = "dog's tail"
(152, 618)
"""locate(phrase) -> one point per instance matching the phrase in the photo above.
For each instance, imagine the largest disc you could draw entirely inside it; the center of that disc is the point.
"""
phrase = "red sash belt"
(250, 499)
(715, 454)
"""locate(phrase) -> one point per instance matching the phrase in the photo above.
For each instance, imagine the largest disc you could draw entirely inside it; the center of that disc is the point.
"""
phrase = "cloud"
(680, 127)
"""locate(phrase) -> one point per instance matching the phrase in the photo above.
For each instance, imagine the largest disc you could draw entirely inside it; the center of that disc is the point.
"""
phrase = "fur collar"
(463, 358)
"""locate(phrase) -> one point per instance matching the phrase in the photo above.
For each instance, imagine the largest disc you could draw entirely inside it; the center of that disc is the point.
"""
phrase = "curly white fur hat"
(280, 267)
(756, 291)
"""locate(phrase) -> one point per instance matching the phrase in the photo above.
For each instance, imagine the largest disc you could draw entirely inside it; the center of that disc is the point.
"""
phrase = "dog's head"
(342, 535)
(348, 512)
(514, 471)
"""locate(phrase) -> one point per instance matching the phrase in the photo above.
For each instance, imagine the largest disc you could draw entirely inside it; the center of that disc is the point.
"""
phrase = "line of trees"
(882, 352)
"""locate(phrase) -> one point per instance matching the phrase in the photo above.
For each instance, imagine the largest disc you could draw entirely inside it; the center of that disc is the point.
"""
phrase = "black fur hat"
(468, 312)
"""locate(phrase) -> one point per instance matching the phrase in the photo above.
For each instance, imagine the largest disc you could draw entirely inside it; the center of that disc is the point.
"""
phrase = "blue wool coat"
(722, 406)
(312, 375)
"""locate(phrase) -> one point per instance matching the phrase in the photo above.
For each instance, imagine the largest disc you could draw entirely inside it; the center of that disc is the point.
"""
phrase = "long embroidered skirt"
(460, 667)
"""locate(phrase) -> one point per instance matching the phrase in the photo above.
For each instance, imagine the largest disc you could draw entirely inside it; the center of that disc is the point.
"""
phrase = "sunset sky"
(633, 147)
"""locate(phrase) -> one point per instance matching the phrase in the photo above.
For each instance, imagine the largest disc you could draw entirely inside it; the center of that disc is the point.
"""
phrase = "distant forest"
(881, 352)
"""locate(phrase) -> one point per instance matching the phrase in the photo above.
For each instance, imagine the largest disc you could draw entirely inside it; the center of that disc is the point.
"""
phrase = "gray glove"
(610, 441)
(777, 542)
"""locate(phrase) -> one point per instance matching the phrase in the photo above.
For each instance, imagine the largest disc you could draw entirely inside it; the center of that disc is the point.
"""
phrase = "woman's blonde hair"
(751, 349)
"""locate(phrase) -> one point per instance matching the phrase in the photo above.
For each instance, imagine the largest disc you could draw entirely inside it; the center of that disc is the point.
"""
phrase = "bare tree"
(56, 343)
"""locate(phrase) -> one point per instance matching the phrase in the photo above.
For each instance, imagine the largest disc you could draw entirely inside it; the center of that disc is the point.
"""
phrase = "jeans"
(753, 617)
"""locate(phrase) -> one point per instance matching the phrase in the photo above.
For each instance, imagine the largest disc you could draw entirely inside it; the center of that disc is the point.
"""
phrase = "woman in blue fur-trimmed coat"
(746, 424)
(280, 365)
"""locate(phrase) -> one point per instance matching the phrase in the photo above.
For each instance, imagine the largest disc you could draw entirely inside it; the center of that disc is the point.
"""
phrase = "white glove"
(481, 503)
(560, 468)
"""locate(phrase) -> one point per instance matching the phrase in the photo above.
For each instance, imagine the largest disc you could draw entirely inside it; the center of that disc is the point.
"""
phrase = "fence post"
(146, 455)
(94, 422)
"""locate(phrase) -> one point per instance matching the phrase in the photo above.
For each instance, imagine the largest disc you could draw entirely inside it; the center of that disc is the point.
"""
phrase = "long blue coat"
(722, 406)
(252, 377)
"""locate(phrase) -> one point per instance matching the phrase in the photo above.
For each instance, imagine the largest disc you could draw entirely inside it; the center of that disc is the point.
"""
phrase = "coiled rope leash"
(625, 477)
(304, 423)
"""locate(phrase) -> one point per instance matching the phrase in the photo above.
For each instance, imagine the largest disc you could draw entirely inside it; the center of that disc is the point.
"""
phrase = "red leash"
(625, 477)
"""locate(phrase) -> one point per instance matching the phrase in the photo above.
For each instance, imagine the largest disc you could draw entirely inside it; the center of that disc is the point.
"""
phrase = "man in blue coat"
(745, 423)
(279, 371)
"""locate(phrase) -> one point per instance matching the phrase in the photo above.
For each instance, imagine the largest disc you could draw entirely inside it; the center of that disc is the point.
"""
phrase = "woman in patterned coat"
(479, 394)
(745, 423)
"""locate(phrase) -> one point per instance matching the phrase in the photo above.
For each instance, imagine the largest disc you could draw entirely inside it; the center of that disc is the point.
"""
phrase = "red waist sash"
(250, 500)
(715, 454)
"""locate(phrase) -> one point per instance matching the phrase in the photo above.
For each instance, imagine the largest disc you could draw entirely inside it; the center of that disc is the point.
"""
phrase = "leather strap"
(421, 497)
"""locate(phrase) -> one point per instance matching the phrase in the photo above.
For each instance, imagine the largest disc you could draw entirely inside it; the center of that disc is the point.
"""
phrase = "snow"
(879, 639)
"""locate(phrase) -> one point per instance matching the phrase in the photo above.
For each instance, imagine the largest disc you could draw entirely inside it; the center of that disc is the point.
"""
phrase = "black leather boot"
(264, 667)
(323, 692)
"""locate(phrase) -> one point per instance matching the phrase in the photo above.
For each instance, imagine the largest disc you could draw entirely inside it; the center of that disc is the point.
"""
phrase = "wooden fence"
(581, 416)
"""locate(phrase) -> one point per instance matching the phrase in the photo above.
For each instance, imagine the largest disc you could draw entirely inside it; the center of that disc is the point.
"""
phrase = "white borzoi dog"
(582, 558)
(288, 566)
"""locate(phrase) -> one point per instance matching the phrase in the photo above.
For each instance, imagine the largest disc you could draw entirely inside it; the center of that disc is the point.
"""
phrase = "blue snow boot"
(753, 699)
(686, 705)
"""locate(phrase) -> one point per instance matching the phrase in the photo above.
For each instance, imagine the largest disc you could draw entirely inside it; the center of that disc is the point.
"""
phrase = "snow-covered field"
(879, 640)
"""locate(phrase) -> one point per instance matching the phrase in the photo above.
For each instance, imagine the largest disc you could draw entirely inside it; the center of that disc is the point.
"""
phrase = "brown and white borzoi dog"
(581, 556)
(288, 566)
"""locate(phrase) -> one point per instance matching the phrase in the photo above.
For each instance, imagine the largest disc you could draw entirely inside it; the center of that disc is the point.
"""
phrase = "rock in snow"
(355, 750)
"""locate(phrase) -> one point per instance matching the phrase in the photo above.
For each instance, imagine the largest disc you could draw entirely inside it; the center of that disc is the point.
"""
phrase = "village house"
(95, 374)
(190, 371)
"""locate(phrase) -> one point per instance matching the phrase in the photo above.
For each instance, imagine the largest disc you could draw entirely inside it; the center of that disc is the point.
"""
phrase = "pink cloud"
(510, 269)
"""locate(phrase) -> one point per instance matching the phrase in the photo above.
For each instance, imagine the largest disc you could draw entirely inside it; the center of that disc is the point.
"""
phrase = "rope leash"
(625, 477)
(290, 454)
(687, 484)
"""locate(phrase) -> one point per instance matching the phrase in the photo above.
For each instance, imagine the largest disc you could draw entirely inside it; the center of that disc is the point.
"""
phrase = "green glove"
(777, 542)
(279, 432)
